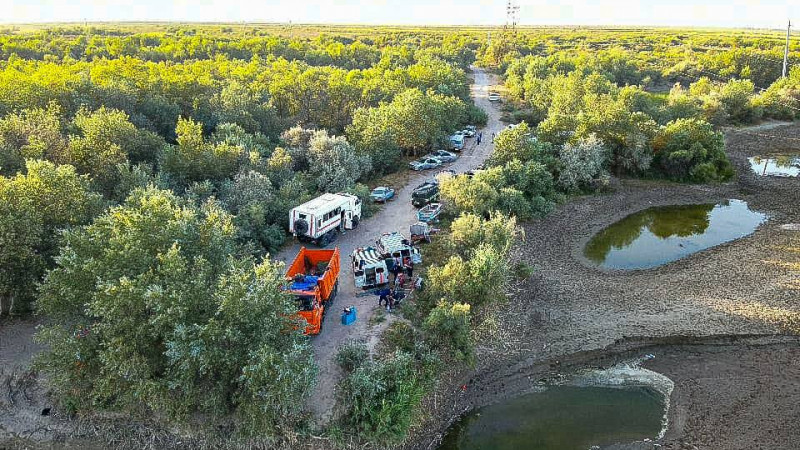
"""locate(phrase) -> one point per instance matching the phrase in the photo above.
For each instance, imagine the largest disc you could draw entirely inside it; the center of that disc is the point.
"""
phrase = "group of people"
(403, 271)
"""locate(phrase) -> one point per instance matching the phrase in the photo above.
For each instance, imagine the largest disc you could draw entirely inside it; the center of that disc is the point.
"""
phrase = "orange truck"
(313, 279)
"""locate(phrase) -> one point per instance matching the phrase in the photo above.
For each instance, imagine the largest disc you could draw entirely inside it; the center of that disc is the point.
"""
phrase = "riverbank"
(570, 307)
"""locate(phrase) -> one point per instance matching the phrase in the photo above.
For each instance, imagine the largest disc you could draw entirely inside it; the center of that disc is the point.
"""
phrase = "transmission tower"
(512, 18)
(786, 50)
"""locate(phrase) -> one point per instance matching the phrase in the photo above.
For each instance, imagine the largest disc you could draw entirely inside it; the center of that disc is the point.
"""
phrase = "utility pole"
(510, 28)
(786, 50)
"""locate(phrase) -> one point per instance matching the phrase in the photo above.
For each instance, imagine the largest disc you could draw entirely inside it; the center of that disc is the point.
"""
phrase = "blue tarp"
(308, 283)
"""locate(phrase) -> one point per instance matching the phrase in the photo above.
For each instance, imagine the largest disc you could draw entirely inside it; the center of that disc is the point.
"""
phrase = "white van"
(369, 268)
(457, 142)
(319, 220)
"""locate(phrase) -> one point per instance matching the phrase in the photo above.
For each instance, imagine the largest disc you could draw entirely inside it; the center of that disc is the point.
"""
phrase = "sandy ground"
(569, 307)
(397, 215)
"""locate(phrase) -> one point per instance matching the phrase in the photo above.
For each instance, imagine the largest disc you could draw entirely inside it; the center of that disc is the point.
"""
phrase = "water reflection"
(776, 166)
(660, 235)
(561, 418)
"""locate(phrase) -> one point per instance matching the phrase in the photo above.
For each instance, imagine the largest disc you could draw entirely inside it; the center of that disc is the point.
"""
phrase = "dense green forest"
(146, 171)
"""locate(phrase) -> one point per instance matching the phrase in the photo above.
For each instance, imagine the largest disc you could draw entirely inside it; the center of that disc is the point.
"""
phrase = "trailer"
(320, 219)
(394, 245)
(313, 279)
(369, 268)
(429, 213)
(421, 232)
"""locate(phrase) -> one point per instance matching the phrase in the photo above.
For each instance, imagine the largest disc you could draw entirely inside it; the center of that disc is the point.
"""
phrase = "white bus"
(320, 219)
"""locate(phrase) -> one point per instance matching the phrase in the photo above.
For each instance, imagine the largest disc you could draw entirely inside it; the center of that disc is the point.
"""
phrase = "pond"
(660, 235)
(776, 166)
(561, 418)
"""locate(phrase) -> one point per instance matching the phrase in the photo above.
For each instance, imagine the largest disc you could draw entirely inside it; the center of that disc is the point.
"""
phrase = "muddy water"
(562, 418)
(660, 235)
(776, 166)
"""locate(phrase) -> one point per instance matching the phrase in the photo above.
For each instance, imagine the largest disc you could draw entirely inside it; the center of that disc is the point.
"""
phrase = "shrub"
(380, 398)
(581, 163)
(690, 150)
(468, 232)
(148, 309)
(448, 329)
(351, 355)
(477, 280)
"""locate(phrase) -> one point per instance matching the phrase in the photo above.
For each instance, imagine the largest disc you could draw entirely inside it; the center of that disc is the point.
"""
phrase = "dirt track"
(569, 307)
(397, 215)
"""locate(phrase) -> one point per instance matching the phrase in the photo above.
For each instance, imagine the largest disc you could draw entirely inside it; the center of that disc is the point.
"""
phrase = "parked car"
(469, 132)
(382, 194)
(444, 156)
(425, 163)
(457, 142)
(425, 193)
(494, 97)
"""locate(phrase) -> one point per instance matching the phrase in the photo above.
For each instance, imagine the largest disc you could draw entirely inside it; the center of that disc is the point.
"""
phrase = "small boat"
(429, 213)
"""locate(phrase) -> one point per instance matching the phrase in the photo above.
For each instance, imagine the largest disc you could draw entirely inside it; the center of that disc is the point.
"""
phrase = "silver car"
(425, 163)
(444, 156)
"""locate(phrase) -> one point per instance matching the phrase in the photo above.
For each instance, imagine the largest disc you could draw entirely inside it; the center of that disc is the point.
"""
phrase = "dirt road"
(397, 215)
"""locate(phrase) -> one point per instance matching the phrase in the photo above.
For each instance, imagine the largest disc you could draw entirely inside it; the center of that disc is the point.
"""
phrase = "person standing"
(390, 302)
(409, 267)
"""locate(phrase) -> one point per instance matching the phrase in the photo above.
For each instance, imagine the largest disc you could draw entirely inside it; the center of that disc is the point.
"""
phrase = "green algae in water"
(660, 235)
(561, 418)
(776, 166)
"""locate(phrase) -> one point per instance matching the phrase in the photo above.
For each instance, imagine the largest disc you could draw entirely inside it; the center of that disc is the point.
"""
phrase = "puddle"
(776, 166)
(623, 404)
(660, 235)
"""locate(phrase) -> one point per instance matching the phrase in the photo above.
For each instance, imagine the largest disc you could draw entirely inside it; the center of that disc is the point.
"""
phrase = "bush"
(447, 328)
(380, 398)
(479, 279)
(468, 232)
(352, 355)
(581, 163)
(476, 116)
(690, 150)
(147, 309)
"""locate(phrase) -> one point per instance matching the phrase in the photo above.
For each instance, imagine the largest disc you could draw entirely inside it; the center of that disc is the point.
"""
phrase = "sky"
(699, 13)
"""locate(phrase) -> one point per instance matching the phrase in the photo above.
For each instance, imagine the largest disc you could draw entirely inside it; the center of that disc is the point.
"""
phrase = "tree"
(477, 280)
(148, 308)
(416, 121)
(448, 328)
(335, 163)
(581, 163)
(690, 150)
(194, 159)
(515, 143)
(468, 232)
(30, 134)
(250, 196)
(33, 207)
